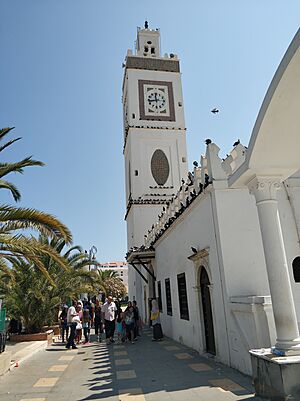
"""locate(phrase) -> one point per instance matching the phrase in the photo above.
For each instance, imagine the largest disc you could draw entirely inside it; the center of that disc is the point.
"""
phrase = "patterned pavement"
(144, 371)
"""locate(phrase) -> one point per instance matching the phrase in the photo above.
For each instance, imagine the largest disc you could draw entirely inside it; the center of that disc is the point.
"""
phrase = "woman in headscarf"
(155, 318)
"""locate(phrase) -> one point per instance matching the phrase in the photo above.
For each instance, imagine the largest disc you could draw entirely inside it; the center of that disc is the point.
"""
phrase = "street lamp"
(92, 255)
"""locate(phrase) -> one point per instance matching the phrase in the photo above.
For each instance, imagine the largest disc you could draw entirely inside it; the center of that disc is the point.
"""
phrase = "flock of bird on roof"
(190, 198)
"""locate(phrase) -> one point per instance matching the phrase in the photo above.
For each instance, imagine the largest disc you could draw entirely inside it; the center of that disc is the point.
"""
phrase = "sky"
(61, 77)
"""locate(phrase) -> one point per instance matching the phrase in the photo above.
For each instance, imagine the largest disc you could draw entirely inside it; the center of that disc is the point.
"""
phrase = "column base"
(275, 377)
(286, 348)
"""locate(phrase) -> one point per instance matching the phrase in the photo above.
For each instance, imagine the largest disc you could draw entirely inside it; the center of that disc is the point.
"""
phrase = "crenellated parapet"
(212, 170)
(235, 159)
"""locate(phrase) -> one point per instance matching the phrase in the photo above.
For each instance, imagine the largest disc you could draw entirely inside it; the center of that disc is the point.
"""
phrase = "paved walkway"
(146, 370)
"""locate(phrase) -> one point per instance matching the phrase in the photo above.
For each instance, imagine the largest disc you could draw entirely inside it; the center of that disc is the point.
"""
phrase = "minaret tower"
(154, 133)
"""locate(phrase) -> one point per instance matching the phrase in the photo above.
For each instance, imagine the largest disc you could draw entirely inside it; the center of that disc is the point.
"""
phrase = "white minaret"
(154, 137)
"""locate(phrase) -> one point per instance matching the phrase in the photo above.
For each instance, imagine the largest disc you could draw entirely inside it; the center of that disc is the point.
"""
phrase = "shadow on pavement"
(159, 373)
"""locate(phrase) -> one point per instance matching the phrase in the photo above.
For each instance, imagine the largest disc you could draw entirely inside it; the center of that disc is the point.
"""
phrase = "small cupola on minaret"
(147, 43)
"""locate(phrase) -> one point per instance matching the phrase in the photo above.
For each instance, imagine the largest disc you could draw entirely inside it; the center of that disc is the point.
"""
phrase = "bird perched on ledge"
(207, 141)
(194, 249)
(236, 143)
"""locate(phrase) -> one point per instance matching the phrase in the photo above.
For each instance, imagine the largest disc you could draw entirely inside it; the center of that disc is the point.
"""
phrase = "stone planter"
(55, 328)
(47, 336)
(275, 378)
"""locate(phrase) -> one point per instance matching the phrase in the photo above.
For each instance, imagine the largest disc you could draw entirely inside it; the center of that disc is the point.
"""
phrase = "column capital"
(264, 187)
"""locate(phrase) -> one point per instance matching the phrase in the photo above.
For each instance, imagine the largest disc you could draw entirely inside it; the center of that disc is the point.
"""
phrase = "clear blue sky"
(61, 80)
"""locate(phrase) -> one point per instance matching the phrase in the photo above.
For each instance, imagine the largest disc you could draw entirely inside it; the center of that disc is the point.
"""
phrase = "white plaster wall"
(195, 229)
(249, 320)
(244, 274)
(241, 247)
(131, 282)
(236, 269)
(139, 219)
(133, 75)
(141, 145)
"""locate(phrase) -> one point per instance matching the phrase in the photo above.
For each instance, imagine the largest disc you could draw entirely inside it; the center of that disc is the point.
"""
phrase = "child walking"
(120, 326)
(86, 323)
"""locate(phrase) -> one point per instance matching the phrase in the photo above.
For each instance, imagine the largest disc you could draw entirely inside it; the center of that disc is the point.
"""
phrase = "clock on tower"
(156, 100)
(154, 133)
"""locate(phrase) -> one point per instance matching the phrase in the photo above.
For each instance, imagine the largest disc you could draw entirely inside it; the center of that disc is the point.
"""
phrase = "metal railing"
(2, 319)
(2, 329)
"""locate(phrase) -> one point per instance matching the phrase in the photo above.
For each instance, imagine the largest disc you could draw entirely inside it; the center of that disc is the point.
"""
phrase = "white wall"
(140, 147)
(172, 252)
(243, 272)
(225, 222)
(133, 75)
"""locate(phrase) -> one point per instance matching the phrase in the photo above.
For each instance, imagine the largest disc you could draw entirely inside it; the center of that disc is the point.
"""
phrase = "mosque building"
(217, 246)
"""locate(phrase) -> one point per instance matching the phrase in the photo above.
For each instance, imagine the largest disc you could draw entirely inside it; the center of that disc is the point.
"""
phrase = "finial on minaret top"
(147, 44)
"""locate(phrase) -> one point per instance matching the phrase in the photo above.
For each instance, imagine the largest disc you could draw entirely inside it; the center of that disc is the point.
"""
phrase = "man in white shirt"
(72, 318)
(108, 314)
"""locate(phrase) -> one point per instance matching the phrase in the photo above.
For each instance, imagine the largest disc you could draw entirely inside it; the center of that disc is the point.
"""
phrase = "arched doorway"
(207, 312)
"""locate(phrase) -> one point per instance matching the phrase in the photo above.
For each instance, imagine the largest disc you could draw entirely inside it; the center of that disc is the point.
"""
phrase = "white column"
(264, 190)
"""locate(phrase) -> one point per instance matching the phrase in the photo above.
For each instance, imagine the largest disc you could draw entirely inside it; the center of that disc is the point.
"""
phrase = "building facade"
(218, 246)
(154, 140)
(120, 268)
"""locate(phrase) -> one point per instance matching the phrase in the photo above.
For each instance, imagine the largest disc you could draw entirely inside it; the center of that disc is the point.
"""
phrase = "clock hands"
(158, 99)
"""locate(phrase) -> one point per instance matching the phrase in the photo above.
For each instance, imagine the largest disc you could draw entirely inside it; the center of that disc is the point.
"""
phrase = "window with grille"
(160, 168)
(182, 295)
(296, 269)
(159, 295)
(168, 296)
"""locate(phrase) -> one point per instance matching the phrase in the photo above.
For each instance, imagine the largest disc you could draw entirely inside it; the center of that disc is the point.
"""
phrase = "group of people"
(74, 320)
(106, 318)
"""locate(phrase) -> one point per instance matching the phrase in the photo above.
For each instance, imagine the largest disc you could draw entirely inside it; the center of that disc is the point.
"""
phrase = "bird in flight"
(215, 111)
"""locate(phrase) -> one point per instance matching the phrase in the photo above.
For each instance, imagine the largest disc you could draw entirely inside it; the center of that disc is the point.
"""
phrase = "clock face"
(156, 100)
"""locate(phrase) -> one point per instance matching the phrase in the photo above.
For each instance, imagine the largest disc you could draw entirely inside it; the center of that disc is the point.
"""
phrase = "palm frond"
(12, 188)
(73, 248)
(18, 167)
(13, 218)
(7, 144)
(5, 131)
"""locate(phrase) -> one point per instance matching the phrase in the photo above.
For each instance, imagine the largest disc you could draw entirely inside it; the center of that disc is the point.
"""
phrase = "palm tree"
(15, 244)
(13, 241)
(112, 283)
(18, 167)
(107, 274)
(36, 298)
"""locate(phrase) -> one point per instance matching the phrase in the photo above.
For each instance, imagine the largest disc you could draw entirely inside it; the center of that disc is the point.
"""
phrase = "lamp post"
(92, 255)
